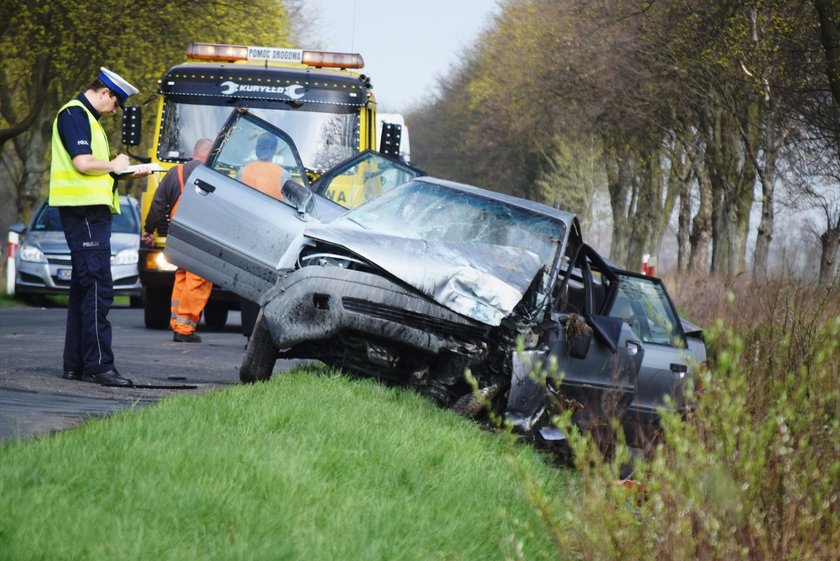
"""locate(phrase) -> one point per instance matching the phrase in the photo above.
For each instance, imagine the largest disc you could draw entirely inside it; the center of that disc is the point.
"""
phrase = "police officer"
(82, 187)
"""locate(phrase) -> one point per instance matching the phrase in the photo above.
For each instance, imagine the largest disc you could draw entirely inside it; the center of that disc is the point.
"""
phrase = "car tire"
(156, 308)
(215, 315)
(260, 354)
(136, 302)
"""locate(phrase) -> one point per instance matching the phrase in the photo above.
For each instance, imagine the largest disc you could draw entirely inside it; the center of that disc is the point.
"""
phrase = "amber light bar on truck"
(234, 53)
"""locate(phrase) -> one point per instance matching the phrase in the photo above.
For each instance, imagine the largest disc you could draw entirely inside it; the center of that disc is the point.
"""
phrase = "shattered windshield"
(426, 211)
(323, 139)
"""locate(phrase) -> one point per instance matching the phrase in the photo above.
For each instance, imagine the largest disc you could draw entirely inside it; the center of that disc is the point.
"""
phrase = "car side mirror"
(298, 196)
(132, 118)
(18, 228)
(578, 336)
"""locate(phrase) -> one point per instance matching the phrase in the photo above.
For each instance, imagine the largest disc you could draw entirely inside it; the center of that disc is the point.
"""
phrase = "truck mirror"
(389, 142)
(131, 125)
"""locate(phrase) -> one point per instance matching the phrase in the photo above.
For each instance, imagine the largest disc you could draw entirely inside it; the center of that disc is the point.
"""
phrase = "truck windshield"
(323, 139)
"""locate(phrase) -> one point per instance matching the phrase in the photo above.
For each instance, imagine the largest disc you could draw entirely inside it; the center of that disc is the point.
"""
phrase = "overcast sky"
(406, 44)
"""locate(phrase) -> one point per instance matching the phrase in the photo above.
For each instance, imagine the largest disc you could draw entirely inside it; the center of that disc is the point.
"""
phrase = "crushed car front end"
(422, 308)
(368, 323)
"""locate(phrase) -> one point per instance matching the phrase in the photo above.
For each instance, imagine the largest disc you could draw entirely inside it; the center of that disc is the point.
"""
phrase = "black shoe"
(109, 378)
(72, 375)
(181, 338)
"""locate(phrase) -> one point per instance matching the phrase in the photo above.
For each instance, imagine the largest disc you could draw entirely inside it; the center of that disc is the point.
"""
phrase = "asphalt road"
(35, 400)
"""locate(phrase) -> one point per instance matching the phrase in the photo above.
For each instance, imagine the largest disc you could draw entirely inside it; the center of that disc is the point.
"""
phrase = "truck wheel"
(260, 355)
(156, 310)
(215, 315)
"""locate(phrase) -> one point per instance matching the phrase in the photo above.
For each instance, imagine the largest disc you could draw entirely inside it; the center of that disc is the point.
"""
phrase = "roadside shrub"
(754, 473)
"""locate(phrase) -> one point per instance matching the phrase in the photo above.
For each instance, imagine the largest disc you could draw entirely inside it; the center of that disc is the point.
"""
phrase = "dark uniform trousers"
(87, 343)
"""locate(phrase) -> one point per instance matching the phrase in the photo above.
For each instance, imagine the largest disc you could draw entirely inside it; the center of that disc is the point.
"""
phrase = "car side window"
(259, 158)
(367, 179)
(642, 303)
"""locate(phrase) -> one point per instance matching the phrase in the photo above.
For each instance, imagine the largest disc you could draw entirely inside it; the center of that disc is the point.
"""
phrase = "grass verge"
(7, 301)
(303, 467)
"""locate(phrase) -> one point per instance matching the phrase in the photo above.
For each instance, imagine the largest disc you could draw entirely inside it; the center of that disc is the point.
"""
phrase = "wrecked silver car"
(420, 284)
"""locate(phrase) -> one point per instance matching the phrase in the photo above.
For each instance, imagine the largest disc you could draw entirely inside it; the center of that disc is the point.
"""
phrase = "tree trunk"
(766, 226)
(641, 215)
(618, 183)
(32, 148)
(827, 11)
(701, 224)
(38, 92)
(684, 227)
(733, 178)
(667, 190)
(829, 242)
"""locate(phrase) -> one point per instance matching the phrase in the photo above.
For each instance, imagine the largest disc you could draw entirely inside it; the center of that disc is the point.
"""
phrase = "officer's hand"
(141, 172)
(148, 238)
(120, 162)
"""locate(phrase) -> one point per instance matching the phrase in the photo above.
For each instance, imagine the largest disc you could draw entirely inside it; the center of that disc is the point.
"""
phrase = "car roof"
(557, 214)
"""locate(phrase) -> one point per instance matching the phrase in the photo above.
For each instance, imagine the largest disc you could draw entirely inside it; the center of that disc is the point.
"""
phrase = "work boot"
(72, 375)
(181, 338)
(109, 378)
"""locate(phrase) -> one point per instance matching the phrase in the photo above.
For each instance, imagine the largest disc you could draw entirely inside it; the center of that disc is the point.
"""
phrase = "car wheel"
(136, 301)
(156, 308)
(215, 315)
(260, 355)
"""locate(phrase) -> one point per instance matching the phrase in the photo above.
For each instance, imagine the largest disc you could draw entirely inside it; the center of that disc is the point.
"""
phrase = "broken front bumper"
(309, 310)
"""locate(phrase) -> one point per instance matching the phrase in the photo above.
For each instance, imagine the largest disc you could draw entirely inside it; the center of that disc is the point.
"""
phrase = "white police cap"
(117, 84)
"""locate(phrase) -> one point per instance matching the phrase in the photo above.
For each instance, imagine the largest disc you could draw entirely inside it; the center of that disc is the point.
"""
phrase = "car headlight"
(125, 257)
(32, 254)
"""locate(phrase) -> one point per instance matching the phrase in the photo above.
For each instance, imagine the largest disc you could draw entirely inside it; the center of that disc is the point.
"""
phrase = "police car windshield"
(48, 220)
(323, 138)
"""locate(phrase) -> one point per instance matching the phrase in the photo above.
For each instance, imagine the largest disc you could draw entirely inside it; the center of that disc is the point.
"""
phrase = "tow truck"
(320, 98)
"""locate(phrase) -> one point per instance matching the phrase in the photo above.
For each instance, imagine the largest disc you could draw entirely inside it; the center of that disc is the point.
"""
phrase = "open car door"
(599, 355)
(363, 177)
(235, 230)
(243, 210)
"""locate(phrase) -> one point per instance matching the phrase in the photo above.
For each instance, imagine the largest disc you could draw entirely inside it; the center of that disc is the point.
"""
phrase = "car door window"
(643, 304)
(364, 177)
(259, 157)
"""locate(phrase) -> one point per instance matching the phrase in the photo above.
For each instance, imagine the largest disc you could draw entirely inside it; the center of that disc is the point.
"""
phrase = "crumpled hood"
(483, 282)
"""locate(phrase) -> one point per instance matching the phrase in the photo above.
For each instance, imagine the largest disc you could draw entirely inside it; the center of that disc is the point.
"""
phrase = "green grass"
(304, 467)
(7, 301)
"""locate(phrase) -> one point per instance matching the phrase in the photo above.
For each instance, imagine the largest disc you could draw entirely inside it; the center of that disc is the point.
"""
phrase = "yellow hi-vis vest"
(68, 186)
